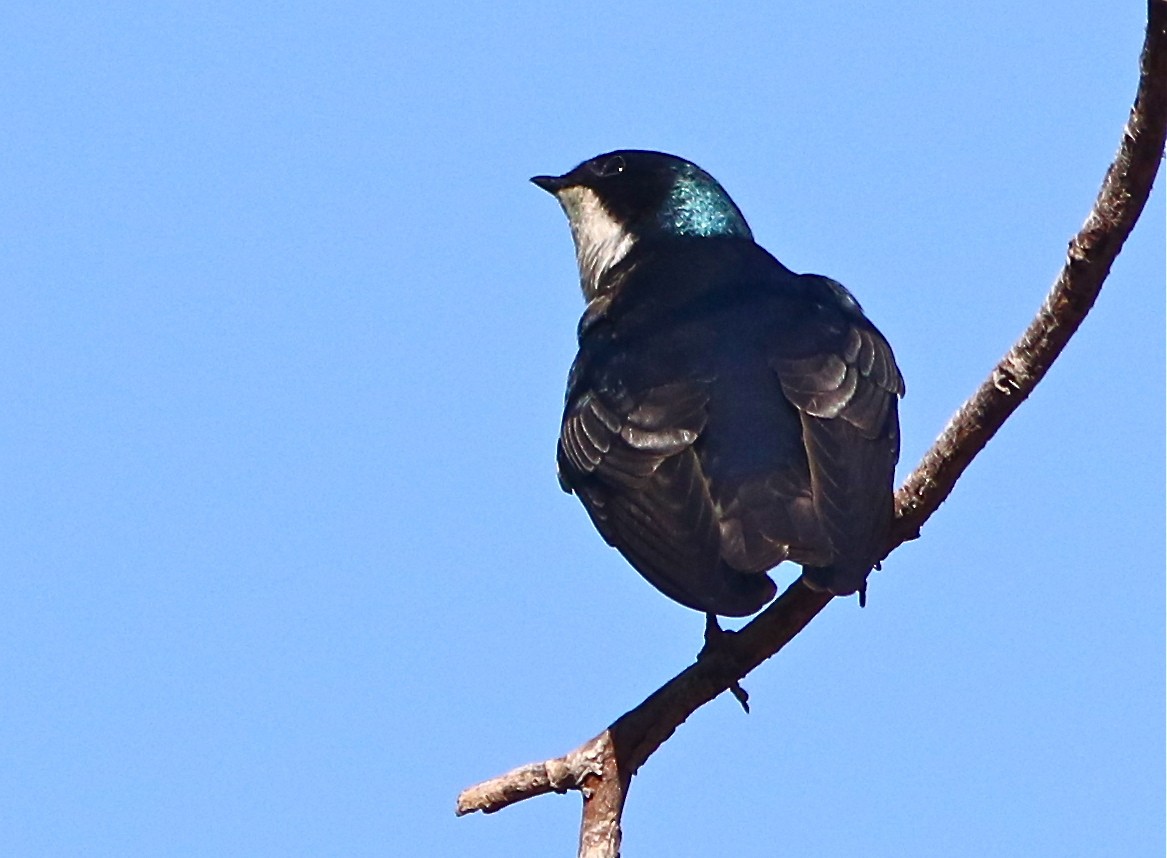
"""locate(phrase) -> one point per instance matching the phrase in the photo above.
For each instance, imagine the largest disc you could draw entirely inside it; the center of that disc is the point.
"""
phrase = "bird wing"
(633, 465)
(839, 372)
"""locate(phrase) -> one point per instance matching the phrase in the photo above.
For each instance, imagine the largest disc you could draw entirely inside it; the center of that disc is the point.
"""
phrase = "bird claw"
(717, 638)
(741, 696)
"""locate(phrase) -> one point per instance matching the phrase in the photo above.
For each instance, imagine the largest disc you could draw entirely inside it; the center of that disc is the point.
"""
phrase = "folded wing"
(633, 465)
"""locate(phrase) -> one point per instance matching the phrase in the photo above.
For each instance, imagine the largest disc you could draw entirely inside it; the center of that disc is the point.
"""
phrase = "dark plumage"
(724, 413)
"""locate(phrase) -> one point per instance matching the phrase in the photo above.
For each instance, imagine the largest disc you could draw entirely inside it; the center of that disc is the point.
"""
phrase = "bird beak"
(551, 184)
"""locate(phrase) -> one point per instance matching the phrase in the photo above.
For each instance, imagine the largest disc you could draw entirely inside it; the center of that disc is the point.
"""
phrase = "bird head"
(616, 200)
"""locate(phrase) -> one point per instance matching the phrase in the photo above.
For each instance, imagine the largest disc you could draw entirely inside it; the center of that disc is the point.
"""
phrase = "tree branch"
(602, 768)
(1092, 251)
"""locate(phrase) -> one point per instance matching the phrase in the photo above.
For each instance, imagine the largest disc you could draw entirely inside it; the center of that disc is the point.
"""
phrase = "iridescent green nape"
(698, 205)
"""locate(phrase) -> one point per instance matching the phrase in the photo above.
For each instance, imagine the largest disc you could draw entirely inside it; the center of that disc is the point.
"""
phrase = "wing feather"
(643, 486)
(846, 391)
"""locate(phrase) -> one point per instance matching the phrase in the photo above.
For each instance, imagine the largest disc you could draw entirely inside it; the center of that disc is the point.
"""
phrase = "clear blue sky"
(283, 560)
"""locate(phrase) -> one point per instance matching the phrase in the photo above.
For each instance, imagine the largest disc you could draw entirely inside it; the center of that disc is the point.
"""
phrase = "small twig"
(558, 775)
(602, 768)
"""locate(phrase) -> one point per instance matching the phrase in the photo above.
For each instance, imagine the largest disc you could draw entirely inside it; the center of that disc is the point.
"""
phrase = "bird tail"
(838, 580)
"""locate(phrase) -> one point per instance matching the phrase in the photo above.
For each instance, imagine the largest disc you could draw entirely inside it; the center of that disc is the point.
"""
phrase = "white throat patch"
(600, 240)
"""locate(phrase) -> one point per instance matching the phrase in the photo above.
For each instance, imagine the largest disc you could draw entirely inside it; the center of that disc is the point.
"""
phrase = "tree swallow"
(724, 413)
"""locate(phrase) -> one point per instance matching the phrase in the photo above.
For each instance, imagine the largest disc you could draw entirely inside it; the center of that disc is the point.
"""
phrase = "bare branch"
(602, 768)
(1093, 250)
(635, 735)
(559, 775)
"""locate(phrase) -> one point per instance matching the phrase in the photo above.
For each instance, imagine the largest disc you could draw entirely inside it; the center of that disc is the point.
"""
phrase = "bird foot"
(718, 639)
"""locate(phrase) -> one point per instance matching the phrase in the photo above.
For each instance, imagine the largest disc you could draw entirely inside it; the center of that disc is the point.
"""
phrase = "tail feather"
(838, 580)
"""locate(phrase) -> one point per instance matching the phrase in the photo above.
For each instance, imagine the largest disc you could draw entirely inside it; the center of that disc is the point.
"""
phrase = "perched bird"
(724, 413)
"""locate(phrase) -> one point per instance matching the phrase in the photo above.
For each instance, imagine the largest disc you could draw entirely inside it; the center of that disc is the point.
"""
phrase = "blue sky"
(283, 560)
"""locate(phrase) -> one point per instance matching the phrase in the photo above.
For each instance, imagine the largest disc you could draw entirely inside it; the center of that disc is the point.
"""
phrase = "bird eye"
(610, 167)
